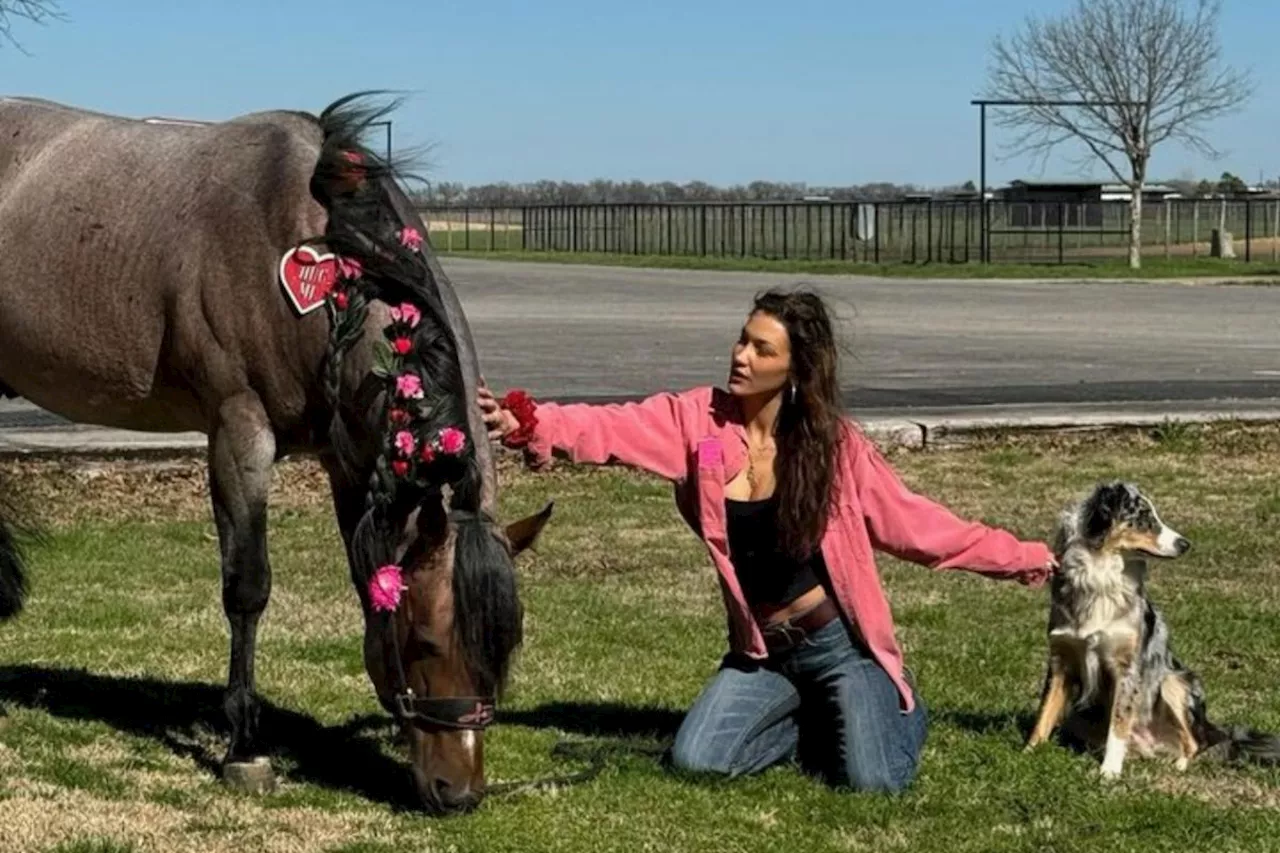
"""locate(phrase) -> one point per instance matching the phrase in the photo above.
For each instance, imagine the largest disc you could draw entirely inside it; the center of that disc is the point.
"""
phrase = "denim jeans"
(825, 703)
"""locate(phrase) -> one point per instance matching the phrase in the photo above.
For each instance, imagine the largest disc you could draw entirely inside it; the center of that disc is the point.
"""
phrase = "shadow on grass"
(187, 717)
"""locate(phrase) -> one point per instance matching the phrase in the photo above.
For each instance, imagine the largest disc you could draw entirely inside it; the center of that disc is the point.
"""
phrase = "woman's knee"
(883, 777)
(888, 761)
(690, 754)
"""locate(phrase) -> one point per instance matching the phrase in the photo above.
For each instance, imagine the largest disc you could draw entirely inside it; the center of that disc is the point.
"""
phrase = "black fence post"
(915, 240)
(928, 231)
(875, 227)
(1062, 231)
(1248, 230)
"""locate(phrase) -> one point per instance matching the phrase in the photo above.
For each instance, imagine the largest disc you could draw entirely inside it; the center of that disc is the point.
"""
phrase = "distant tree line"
(642, 192)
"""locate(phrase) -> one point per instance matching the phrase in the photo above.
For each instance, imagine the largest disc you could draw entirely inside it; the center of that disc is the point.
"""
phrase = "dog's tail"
(1240, 744)
(1237, 744)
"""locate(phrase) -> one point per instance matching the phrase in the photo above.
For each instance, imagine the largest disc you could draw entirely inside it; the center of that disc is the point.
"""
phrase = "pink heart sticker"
(307, 277)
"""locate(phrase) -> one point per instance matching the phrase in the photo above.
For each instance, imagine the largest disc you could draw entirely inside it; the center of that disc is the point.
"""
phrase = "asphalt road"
(566, 331)
(578, 332)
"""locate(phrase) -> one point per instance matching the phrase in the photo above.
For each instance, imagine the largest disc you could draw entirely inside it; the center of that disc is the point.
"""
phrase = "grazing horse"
(265, 280)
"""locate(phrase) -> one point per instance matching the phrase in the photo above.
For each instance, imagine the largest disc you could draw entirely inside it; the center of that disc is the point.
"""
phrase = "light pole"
(982, 104)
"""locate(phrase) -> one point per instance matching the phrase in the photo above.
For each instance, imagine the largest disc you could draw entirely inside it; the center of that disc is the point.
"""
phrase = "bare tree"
(1157, 61)
(35, 11)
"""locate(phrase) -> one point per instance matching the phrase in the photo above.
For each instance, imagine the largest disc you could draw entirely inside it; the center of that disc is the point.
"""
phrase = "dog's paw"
(1110, 771)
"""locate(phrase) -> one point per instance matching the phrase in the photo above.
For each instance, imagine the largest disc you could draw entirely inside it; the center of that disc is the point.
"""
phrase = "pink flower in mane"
(452, 441)
(385, 587)
(405, 442)
(350, 268)
(407, 313)
(411, 238)
(409, 386)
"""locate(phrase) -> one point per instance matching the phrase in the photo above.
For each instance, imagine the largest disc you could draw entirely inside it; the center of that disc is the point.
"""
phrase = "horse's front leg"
(242, 450)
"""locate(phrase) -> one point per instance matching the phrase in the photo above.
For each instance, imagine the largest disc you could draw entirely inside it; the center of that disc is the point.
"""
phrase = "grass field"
(112, 677)
(1153, 268)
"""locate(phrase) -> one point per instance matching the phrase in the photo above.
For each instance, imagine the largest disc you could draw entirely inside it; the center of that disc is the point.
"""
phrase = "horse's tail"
(13, 575)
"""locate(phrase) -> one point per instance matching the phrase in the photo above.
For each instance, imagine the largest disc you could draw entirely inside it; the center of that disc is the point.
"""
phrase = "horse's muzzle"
(444, 800)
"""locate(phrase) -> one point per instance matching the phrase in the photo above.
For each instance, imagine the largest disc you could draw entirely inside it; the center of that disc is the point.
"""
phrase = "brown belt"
(788, 633)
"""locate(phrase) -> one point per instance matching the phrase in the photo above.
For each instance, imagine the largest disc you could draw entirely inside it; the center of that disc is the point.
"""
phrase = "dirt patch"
(1223, 790)
(58, 490)
(39, 816)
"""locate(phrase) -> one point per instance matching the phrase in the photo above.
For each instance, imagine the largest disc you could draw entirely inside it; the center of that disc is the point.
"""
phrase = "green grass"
(1153, 268)
(112, 677)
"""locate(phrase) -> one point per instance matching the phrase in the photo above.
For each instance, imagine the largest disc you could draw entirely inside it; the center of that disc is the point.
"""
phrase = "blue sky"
(725, 91)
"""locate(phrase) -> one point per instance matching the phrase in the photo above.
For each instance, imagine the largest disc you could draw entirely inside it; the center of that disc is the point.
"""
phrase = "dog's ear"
(1105, 505)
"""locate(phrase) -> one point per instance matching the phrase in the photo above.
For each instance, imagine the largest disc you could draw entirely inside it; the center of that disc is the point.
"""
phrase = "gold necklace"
(751, 469)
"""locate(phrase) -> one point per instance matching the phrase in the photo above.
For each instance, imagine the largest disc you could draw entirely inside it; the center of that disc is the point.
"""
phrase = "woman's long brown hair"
(809, 424)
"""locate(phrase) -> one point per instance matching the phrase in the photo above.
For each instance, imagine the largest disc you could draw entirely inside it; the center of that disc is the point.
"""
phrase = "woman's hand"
(500, 422)
(1039, 576)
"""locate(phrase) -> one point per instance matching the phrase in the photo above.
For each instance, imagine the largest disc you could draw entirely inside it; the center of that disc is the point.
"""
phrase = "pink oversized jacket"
(696, 439)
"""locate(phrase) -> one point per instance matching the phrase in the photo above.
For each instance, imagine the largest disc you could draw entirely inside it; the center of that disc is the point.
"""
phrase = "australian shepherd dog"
(1113, 680)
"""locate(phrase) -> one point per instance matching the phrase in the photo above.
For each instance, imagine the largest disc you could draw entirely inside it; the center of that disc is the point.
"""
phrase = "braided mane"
(424, 439)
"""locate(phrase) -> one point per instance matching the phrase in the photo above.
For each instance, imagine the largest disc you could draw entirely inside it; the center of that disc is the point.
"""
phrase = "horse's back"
(141, 260)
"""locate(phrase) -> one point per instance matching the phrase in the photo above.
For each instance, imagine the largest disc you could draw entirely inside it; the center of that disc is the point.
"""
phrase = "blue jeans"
(825, 702)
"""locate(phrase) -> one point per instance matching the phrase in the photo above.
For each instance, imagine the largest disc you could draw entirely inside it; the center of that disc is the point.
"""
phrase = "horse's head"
(438, 661)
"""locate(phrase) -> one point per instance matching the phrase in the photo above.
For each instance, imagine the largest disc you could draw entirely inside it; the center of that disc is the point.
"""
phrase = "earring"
(793, 393)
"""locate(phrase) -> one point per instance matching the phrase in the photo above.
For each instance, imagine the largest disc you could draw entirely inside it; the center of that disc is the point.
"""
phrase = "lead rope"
(596, 753)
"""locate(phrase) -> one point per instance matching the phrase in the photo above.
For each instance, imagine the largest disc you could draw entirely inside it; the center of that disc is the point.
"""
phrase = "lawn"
(1153, 268)
(112, 677)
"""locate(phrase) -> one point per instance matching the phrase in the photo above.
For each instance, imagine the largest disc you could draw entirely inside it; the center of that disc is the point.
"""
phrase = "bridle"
(463, 713)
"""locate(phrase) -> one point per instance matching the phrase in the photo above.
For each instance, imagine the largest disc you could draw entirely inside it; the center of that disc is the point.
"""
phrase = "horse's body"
(141, 291)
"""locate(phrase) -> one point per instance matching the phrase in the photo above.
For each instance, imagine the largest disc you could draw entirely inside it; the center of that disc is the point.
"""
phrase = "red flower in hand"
(523, 407)
(402, 345)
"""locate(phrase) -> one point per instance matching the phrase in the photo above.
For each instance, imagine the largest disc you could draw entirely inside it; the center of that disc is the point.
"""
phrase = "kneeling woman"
(790, 499)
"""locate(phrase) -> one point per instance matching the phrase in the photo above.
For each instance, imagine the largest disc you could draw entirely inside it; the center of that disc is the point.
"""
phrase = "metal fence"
(875, 232)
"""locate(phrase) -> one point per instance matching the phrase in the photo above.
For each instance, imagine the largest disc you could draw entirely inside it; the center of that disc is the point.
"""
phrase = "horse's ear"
(521, 534)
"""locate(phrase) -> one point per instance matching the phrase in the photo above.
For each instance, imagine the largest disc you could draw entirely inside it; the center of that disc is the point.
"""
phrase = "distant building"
(1043, 203)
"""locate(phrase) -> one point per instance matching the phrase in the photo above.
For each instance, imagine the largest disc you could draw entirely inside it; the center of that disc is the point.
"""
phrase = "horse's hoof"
(252, 777)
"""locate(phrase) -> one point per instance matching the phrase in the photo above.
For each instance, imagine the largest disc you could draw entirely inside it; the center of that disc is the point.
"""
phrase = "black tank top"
(767, 575)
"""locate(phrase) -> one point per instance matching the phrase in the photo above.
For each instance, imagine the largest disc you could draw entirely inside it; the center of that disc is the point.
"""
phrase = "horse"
(265, 280)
